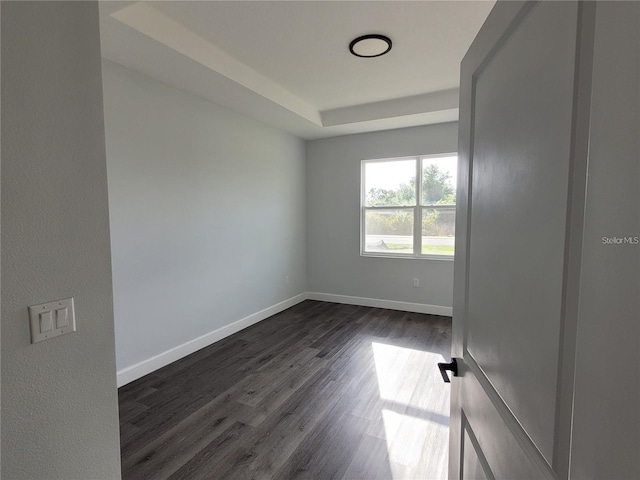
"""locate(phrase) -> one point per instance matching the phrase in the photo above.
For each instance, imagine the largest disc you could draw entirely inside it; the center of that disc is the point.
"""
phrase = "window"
(404, 218)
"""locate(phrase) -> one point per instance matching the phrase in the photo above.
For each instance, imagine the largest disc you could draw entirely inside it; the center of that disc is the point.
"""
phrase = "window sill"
(447, 258)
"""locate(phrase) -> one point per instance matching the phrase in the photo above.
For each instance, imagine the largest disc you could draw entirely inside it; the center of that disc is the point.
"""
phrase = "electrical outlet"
(416, 282)
(286, 279)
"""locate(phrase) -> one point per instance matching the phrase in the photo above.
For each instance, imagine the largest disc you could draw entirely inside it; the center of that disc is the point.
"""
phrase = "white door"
(524, 111)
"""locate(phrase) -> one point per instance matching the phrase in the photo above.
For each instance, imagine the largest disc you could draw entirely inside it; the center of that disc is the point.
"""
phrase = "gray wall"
(606, 422)
(59, 398)
(333, 211)
(207, 214)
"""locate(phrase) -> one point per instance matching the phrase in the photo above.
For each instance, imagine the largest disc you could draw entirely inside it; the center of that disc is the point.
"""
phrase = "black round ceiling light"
(369, 46)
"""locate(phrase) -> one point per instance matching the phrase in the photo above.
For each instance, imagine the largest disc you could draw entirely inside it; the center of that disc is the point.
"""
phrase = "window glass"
(439, 177)
(438, 230)
(389, 231)
(390, 183)
(393, 224)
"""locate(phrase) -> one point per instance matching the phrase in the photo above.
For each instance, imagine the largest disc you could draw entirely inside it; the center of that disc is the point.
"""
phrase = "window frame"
(417, 209)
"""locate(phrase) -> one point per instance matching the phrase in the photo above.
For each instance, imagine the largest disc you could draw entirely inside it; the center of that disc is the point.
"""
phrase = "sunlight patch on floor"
(415, 410)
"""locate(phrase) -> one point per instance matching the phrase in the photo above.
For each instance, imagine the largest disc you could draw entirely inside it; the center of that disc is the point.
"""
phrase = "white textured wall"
(333, 209)
(207, 214)
(59, 398)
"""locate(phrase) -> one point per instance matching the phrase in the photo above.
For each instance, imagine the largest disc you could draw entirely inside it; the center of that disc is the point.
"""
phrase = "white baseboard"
(133, 372)
(380, 303)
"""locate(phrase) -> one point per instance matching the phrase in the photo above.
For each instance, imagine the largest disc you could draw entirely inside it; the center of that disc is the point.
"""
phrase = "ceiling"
(287, 63)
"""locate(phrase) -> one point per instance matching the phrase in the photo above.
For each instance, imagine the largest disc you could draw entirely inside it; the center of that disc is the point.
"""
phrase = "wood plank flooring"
(319, 391)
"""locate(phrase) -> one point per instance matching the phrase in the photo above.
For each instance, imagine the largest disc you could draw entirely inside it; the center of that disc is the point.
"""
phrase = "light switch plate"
(57, 318)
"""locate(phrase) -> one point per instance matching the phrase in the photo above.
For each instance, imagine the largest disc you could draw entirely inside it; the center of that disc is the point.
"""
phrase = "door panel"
(522, 147)
(503, 444)
(474, 468)
(520, 168)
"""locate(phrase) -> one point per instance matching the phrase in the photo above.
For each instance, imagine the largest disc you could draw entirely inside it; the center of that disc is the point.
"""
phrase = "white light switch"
(51, 319)
(61, 318)
(46, 322)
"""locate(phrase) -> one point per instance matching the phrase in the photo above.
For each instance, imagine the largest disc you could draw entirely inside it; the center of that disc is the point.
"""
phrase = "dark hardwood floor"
(319, 391)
